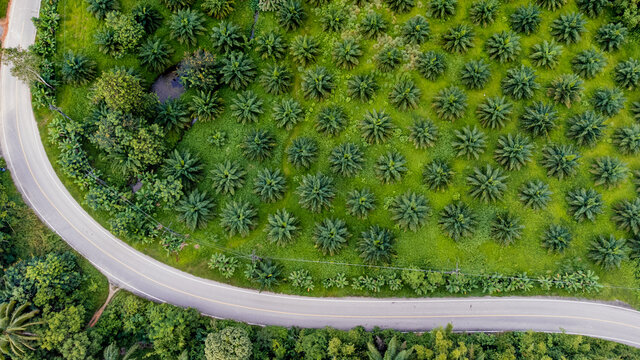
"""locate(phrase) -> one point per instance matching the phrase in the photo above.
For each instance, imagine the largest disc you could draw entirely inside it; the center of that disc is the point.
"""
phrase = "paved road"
(149, 278)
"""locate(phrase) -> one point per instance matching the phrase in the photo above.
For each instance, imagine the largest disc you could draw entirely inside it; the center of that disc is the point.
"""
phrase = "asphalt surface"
(140, 274)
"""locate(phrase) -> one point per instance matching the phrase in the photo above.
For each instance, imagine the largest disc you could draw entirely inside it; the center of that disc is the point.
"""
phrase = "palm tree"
(546, 54)
(77, 69)
(400, 6)
(226, 37)
(552, 5)
(560, 160)
(458, 39)
(264, 272)
(362, 87)
(503, 46)
(627, 215)
(258, 144)
(390, 167)
(409, 210)
(147, 16)
(346, 159)
(372, 25)
(608, 252)
(282, 227)
(608, 101)
(437, 175)
(535, 194)
(330, 235)
(376, 127)
(469, 142)
(568, 28)
(592, 8)
(457, 220)
(196, 209)
(15, 325)
(539, 118)
(218, 9)
(360, 203)
(586, 128)
(611, 36)
(405, 95)
(287, 113)
(494, 112)
(186, 25)
(206, 106)
(475, 74)
(331, 120)
(520, 83)
(376, 245)
(506, 228)
(316, 192)
(270, 45)
(302, 152)
(584, 204)
(483, 13)
(346, 54)
(513, 152)
(238, 70)
(112, 352)
(173, 114)
(155, 53)
(627, 74)
(276, 79)
(100, 8)
(183, 166)
(557, 238)
(246, 107)
(388, 58)
(318, 83)
(566, 89)
(588, 63)
(392, 352)
(334, 19)
(227, 177)
(627, 139)
(238, 218)
(608, 171)
(450, 103)
(525, 19)
(269, 185)
(305, 50)
(175, 5)
(416, 30)
(431, 65)
(291, 14)
(487, 184)
(423, 133)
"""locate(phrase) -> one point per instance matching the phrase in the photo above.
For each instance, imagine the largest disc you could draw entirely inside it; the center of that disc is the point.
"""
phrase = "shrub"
(568, 28)
(362, 87)
(290, 14)
(487, 184)
(155, 54)
(270, 45)
(437, 175)
(226, 38)
(390, 167)
(238, 218)
(458, 39)
(475, 74)
(423, 133)
(588, 63)
(376, 245)
(177, 5)
(494, 112)
(608, 171)
(388, 58)
(458, 221)
(520, 83)
(183, 166)
(238, 70)
(206, 106)
(360, 203)
(566, 89)
(173, 114)
(513, 152)
(372, 25)
(301, 279)
(226, 265)
(331, 120)
(346, 54)
(218, 9)
(627, 74)
(608, 101)
(431, 65)
(469, 142)
(287, 113)
(258, 144)
(506, 228)
(334, 19)
(405, 95)
(560, 160)
(535, 194)
(316, 192)
(611, 36)
(627, 139)
(330, 236)
(409, 211)
(199, 70)
(77, 69)
(376, 127)
(400, 6)
(525, 19)
(120, 35)
(246, 107)
(450, 103)
(627, 215)
(185, 26)
(608, 252)
(227, 177)
(539, 118)
(276, 79)
(305, 50)
(269, 185)
(195, 210)
(552, 5)
(346, 159)
(265, 273)
(100, 8)
(546, 54)
(483, 12)
(416, 30)
(557, 238)
(282, 227)
(317, 84)
(503, 47)
(302, 152)
(584, 204)
(147, 16)
(442, 9)
(592, 8)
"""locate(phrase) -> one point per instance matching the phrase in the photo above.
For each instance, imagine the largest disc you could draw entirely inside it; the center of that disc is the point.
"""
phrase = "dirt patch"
(168, 86)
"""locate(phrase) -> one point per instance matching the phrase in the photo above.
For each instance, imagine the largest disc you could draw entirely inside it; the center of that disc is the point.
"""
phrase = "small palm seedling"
(372, 25)
(258, 145)
(390, 167)
(360, 203)
(264, 272)
(347, 53)
(458, 39)
(588, 63)
(416, 30)
(376, 127)
(608, 171)
(334, 19)
(362, 87)
(611, 36)
(276, 79)
(155, 54)
(147, 16)
(206, 106)
(346, 159)
(560, 160)
(331, 120)
(302, 152)
(305, 50)
(409, 211)
(196, 209)
(287, 113)
(552, 5)
(525, 19)
(520, 83)
(535, 194)
(269, 185)
(388, 59)
(503, 46)
(238, 70)
(270, 45)
(584, 204)
(627, 74)
(318, 83)
(100, 8)
(539, 118)
(376, 245)
(469, 142)
(566, 89)
(546, 54)
(626, 215)
(330, 235)
(442, 9)
(226, 37)
(186, 25)
(316, 192)
(290, 14)
(173, 114)
(183, 166)
(77, 69)
(405, 95)
(400, 6)
(608, 252)
(423, 133)
(483, 12)
(450, 103)
(627, 139)
(227, 177)
(487, 184)
(556, 239)
(176, 5)
(608, 101)
(458, 221)
(246, 107)
(513, 152)
(494, 112)
(431, 65)
(218, 9)
(282, 227)
(238, 218)
(568, 28)
(475, 74)
(506, 228)
(437, 175)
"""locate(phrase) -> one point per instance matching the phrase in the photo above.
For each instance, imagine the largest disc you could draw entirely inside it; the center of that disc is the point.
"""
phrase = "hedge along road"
(136, 272)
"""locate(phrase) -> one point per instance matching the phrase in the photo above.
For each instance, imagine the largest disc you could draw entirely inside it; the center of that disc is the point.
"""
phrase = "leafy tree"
(196, 209)
(376, 127)
(100, 8)
(59, 327)
(535, 194)
(120, 91)
(238, 218)
(627, 74)
(437, 175)
(539, 118)
(269, 185)
(400, 6)
(423, 133)
(265, 273)
(520, 83)
(409, 211)
(206, 106)
(458, 39)
(331, 120)
(346, 159)
(372, 25)
(218, 9)
(362, 87)
(77, 69)
(360, 203)
(147, 16)
(494, 112)
(290, 15)
(317, 84)
(287, 113)
(552, 5)
(271, 45)
(546, 54)
(185, 25)
(302, 152)
(450, 103)
(305, 50)
(526, 19)
(405, 95)
(390, 167)
(566, 89)
(608, 101)
(155, 54)
(416, 30)
(184, 167)
(282, 227)
(227, 177)
(177, 5)
(627, 215)
(557, 238)
(568, 28)
(611, 36)
(170, 329)
(584, 204)
(608, 171)
(238, 70)
(592, 8)
(588, 63)
(276, 79)
(16, 326)
(431, 65)
(316, 192)
(246, 107)
(627, 139)
(376, 245)
(442, 9)
(560, 160)
(258, 144)
(506, 228)
(334, 19)
(199, 70)
(330, 235)
(388, 58)
(586, 128)
(475, 74)
(226, 38)
(469, 142)
(120, 35)
(483, 12)
(608, 252)
(487, 184)
(503, 46)
(513, 152)
(346, 54)
(25, 65)
(458, 221)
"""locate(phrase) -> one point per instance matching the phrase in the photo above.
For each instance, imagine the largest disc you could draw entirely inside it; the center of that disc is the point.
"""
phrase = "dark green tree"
(231, 343)
(442, 9)
(557, 238)
(388, 58)
(608, 101)
(184, 167)
(611, 36)
(305, 50)
(238, 70)
(494, 112)
(416, 30)
(458, 39)
(409, 211)
(588, 63)
(317, 84)
(626, 215)
(608, 252)
(546, 54)
(506, 228)
(100, 8)
(330, 235)
(347, 53)
(227, 177)
(566, 89)
(560, 160)
(316, 192)
(238, 218)
(346, 159)
(627, 139)
(246, 107)
(282, 227)
(450, 103)
(258, 144)
(302, 152)
(539, 118)
(568, 28)
(287, 113)
(469, 142)
(458, 221)
(276, 79)
(608, 171)
(627, 74)
(431, 65)
(226, 37)
(423, 133)
(552, 5)
(525, 19)
(503, 46)
(376, 127)
(196, 209)
(331, 120)
(269, 185)
(77, 69)
(520, 83)
(186, 25)
(155, 54)
(535, 194)
(487, 184)
(362, 87)
(147, 16)
(483, 12)
(376, 245)
(475, 74)
(334, 19)
(360, 203)
(437, 175)
(270, 45)
(400, 6)
(372, 25)
(584, 204)
(290, 14)
(265, 273)
(592, 8)
(176, 5)
(218, 9)
(390, 167)
(206, 106)
(586, 128)
(173, 114)
(405, 95)
(513, 152)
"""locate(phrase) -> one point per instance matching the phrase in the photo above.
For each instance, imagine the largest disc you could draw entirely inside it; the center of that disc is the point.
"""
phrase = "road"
(140, 274)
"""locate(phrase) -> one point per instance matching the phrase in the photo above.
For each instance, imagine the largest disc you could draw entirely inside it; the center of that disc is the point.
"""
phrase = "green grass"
(427, 247)
(4, 7)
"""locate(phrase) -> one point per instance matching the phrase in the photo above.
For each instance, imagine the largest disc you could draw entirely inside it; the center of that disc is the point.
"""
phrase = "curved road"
(149, 278)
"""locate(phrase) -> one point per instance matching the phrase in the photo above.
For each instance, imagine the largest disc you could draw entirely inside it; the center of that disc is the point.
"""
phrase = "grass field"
(428, 247)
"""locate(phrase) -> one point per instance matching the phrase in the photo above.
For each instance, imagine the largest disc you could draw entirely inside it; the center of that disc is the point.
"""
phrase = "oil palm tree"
(16, 324)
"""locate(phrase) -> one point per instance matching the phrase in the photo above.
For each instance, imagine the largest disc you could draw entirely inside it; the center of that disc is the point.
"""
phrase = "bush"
(405, 95)
(333, 19)
(494, 112)
(155, 54)
(611, 36)
(269, 185)
(520, 83)
(376, 245)
(226, 265)
(238, 218)
(301, 279)
(469, 142)
(246, 107)
(362, 87)
(458, 39)
(450, 103)
(557, 238)
(513, 152)
(276, 79)
(546, 54)
(302, 152)
(372, 25)
(199, 70)
(525, 19)
(535, 194)
(147, 16)
(226, 37)
(346, 159)
(487, 184)
(290, 14)
(316, 192)
(331, 120)
(346, 54)
(539, 118)
(388, 58)
(218, 9)
(183, 166)
(409, 211)
(305, 50)
(475, 74)
(330, 236)
(400, 6)
(360, 203)
(566, 89)
(416, 30)
(592, 8)
(100, 8)
(560, 160)
(627, 74)
(390, 167)
(287, 113)
(423, 133)
(77, 69)
(238, 70)
(120, 35)
(588, 63)
(227, 177)
(206, 106)
(258, 144)
(376, 127)
(627, 215)
(503, 47)
(506, 228)
(195, 210)
(437, 175)
(627, 139)
(584, 204)
(568, 28)
(608, 252)
(431, 65)
(270, 45)
(458, 221)
(282, 227)
(442, 9)
(185, 26)
(608, 101)
(608, 171)
(483, 12)
(265, 273)
(317, 84)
